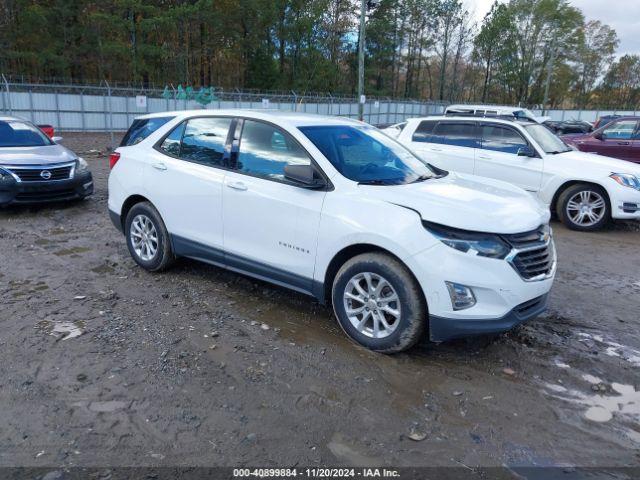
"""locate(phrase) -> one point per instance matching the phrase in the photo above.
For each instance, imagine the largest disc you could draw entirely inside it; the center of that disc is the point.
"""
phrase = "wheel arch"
(128, 204)
(571, 183)
(348, 253)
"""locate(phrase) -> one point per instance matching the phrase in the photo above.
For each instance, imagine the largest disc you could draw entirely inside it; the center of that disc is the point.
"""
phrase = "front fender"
(403, 237)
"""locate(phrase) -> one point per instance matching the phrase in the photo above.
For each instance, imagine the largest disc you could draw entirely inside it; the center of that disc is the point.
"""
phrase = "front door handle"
(159, 166)
(237, 186)
(624, 143)
(484, 157)
(435, 149)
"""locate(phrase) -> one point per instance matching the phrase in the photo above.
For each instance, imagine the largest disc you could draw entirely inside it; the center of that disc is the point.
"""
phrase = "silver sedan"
(36, 169)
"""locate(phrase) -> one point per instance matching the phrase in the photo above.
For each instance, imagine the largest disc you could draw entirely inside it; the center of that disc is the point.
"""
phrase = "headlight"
(82, 165)
(626, 180)
(475, 243)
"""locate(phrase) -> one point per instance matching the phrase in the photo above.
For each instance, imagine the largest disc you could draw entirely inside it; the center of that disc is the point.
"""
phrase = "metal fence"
(587, 115)
(105, 108)
(102, 108)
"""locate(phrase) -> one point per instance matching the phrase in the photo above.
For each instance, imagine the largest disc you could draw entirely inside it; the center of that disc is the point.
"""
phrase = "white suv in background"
(333, 208)
(585, 190)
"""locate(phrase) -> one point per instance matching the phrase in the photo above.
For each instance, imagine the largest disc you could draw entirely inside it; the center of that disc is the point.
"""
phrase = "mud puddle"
(62, 330)
(71, 251)
(612, 348)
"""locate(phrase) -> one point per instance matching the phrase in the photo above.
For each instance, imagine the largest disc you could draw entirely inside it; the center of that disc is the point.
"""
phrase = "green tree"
(496, 33)
(595, 52)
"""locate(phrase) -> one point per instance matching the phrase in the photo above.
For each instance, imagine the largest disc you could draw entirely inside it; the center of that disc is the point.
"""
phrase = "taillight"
(113, 159)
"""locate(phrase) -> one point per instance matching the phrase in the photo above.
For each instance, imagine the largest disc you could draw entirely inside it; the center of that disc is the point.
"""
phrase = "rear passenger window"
(501, 139)
(457, 134)
(204, 140)
(141, 129)
(265, 151)
(424, 131)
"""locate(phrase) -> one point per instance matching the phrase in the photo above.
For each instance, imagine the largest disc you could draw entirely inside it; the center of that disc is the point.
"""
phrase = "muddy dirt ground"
(103, 364)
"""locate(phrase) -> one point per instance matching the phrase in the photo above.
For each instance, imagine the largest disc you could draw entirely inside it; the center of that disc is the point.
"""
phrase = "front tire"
(379, 304)
(147, 238)
(584, 207)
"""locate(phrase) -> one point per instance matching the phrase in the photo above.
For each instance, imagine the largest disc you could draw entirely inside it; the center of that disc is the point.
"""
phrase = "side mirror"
(526, 152)
(56, 139)
(598, 136)
(305, 175)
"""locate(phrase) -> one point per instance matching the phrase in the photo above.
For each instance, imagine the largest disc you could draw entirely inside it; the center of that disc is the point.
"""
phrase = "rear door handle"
(484, 157)
(159, 166)
(624, 143)
(237, 186)
(435, 149)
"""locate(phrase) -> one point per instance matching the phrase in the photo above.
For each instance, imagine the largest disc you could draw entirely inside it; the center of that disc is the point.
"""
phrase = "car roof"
(464, 118)
(503, 108)
(296, 119)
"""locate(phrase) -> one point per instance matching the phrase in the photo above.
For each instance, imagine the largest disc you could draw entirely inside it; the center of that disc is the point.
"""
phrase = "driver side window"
(265, 151)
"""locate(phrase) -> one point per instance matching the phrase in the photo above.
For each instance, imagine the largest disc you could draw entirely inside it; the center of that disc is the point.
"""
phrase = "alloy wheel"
(372, 305)
(144, 237)
(586, 208)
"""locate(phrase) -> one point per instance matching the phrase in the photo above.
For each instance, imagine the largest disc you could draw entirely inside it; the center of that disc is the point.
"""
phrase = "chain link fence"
(112, 108)
(104, 108)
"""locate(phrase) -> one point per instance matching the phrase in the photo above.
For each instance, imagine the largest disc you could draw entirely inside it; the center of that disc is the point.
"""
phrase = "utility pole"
(363, 18)
(548, 82)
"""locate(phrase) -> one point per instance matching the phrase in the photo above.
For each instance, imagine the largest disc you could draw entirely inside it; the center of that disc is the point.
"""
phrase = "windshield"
(547, 141)
(366, 155)
(14, 133)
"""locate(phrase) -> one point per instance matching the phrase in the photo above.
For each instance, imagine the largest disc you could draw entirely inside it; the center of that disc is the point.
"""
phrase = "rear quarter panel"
(127, 177)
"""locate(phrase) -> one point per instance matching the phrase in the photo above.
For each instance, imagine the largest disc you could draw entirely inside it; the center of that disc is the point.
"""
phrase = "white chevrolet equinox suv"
(335, 209)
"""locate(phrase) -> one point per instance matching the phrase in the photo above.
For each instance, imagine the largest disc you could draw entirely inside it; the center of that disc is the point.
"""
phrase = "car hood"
(576, 161)
(45, 155)
(467, 202)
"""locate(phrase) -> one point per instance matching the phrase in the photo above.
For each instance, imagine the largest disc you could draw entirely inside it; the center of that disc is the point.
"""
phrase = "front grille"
(534, 253)
(524, 240)
(35, 196)
(534, 262)
(35, 174)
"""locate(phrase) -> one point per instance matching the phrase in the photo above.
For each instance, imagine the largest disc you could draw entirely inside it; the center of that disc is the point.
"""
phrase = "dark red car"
(618, 139)
(48, 129)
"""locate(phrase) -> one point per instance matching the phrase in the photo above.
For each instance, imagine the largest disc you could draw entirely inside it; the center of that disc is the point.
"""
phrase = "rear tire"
(375, 288)
(147, 238)
(584, 207)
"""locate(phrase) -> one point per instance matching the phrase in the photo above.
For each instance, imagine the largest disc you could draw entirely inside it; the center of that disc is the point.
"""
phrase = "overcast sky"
(622, 15)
